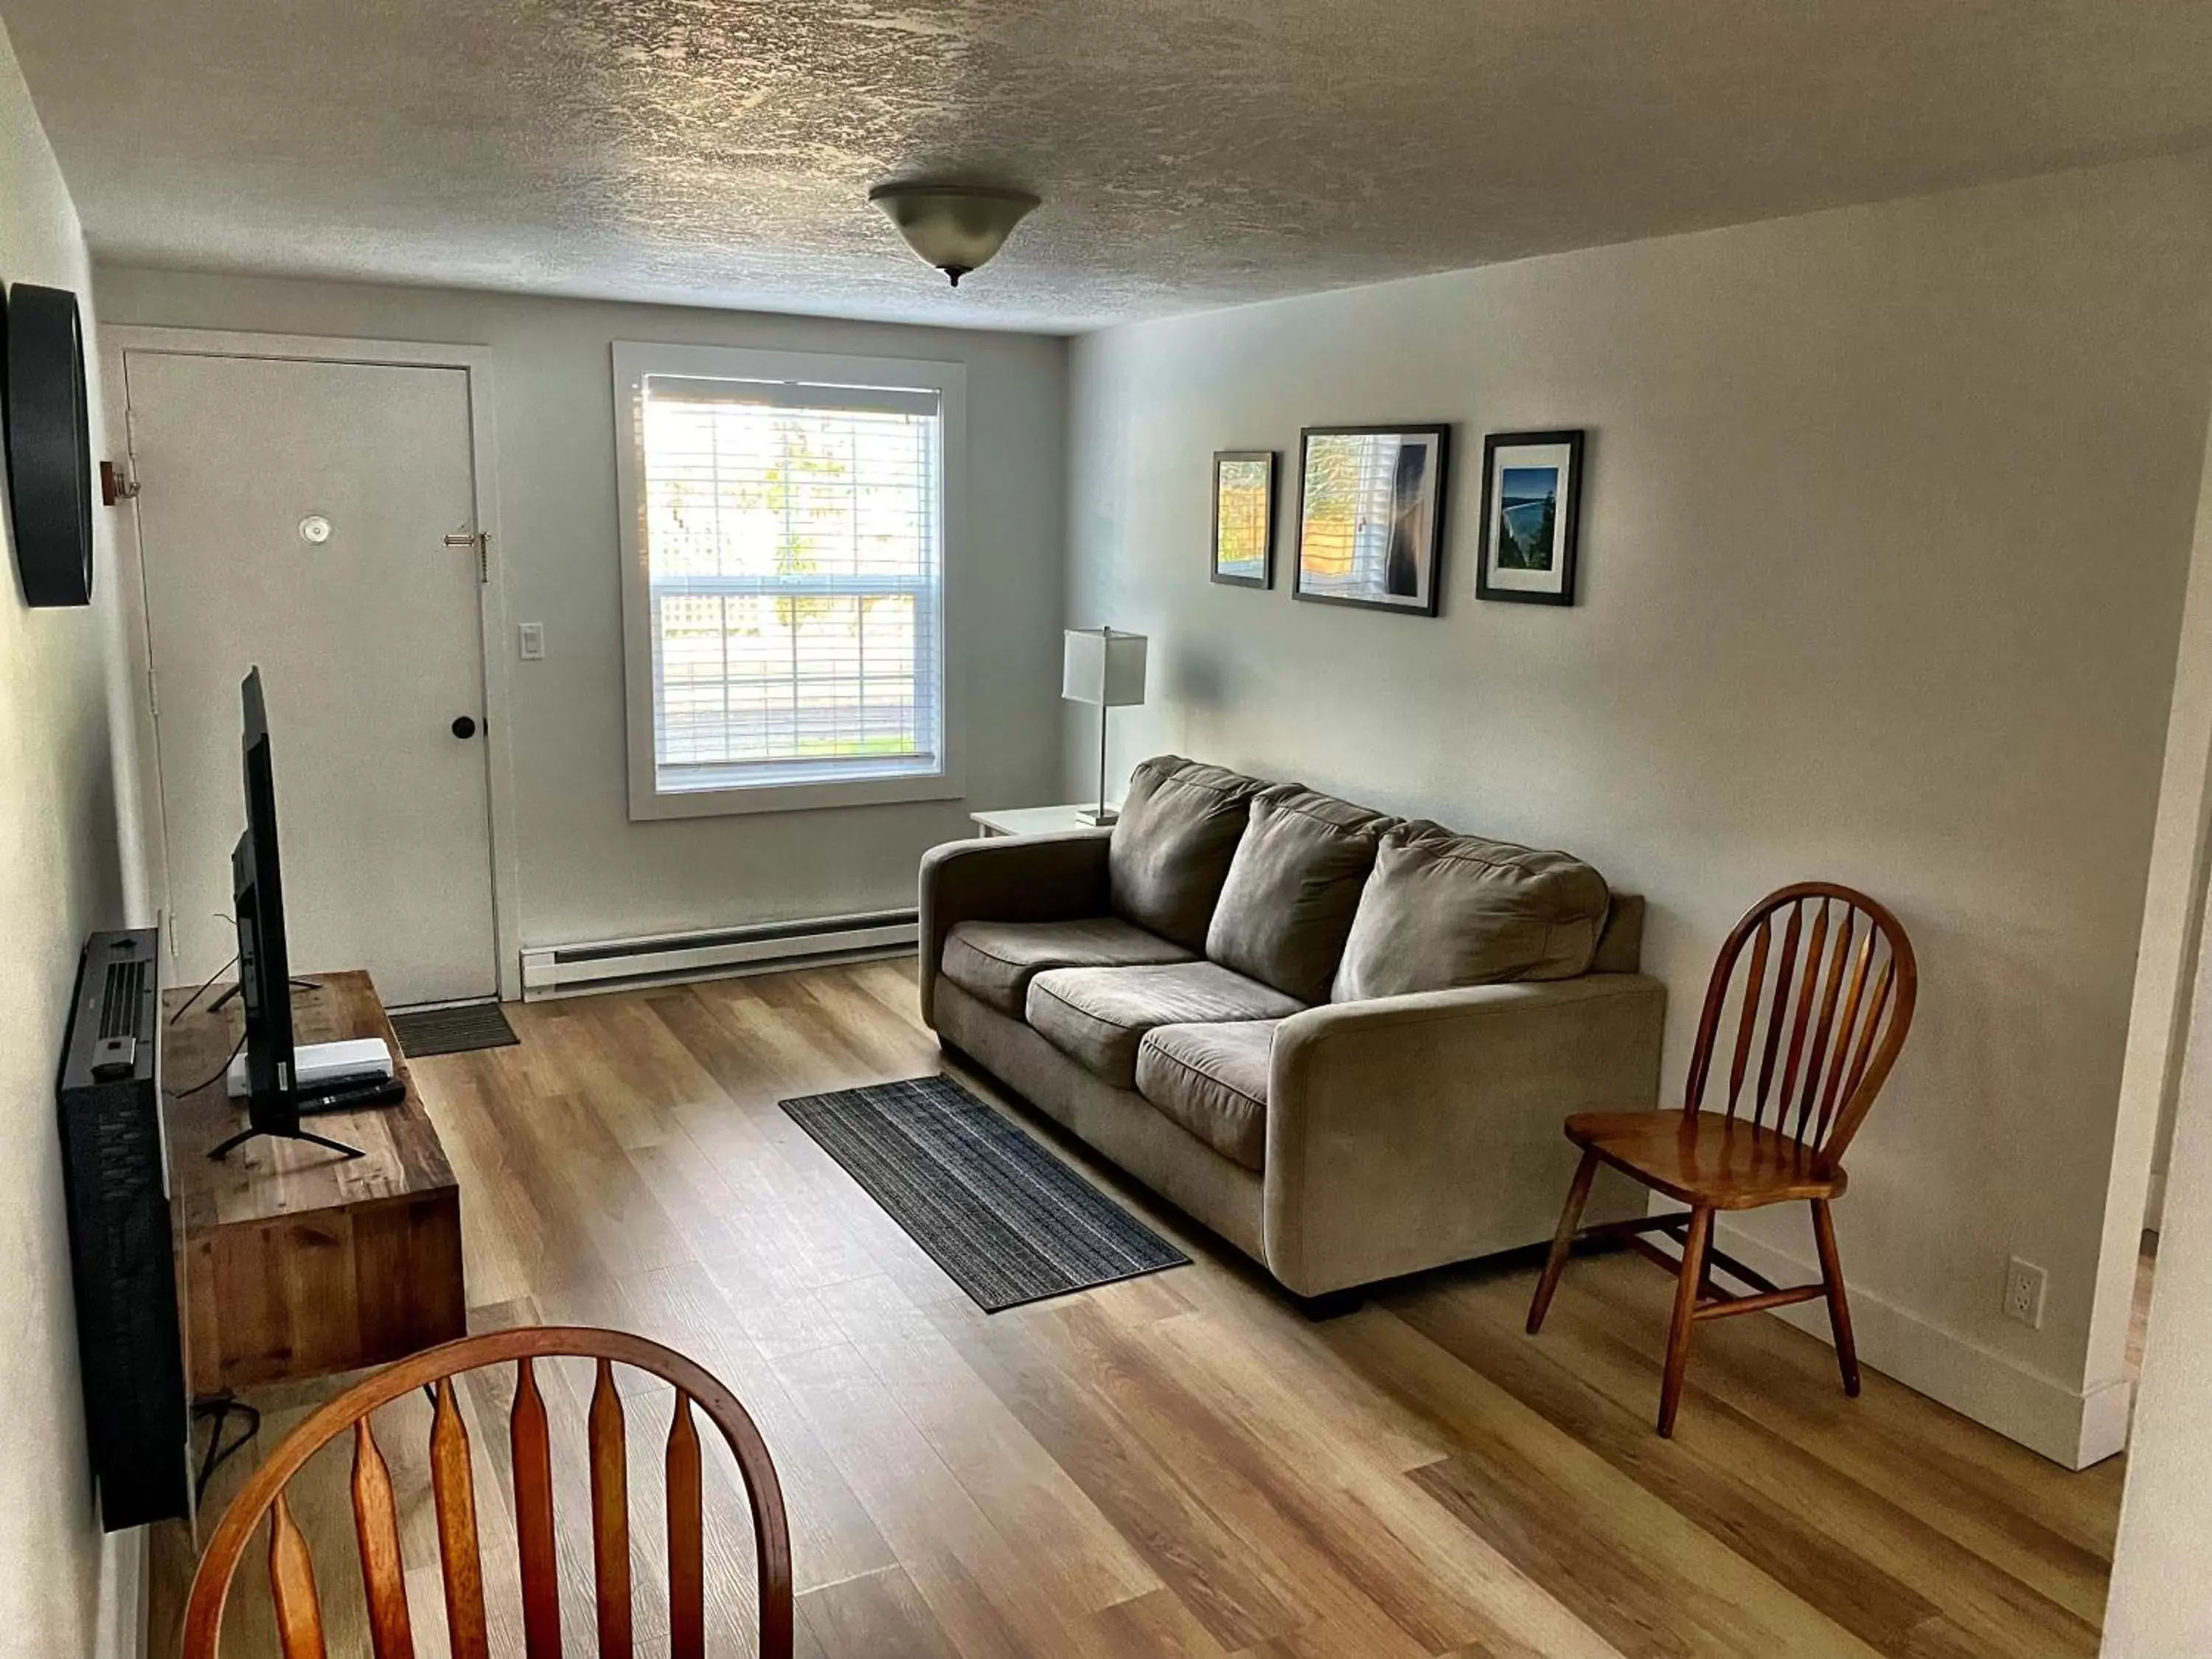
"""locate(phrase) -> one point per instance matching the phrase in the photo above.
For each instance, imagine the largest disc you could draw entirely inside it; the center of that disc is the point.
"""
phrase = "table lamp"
(1104, 667)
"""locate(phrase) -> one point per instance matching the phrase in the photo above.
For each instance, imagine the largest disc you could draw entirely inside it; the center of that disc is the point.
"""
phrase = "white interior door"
(295, 515)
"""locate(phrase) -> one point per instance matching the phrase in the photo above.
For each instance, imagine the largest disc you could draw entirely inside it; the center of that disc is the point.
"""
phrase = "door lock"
(464, 726)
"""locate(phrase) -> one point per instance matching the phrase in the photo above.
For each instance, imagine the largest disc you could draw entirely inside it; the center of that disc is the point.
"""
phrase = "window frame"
(635, 361)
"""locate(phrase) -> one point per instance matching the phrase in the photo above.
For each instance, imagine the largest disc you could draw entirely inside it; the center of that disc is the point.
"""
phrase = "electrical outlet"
(2023, 1292)
(531, 640)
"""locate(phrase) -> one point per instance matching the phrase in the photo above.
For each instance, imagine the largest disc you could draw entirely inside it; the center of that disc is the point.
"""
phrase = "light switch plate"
(532, 637)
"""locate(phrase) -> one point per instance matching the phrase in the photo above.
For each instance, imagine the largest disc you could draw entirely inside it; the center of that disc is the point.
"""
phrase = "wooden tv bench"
(292, 1261)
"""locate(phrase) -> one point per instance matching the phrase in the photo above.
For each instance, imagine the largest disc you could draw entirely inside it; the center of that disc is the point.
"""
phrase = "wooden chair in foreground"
(291, 1575)
(1826, 1008)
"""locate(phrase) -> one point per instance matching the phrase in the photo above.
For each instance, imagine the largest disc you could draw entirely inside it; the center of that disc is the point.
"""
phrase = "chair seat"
(1706, 1158)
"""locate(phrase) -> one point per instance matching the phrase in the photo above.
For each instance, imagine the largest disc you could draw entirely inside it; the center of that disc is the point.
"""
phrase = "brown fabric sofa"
(1343, 1041)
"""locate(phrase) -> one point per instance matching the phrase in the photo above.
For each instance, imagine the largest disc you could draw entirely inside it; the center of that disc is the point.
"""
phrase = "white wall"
(1887, 521)
(2164, 981)
(2159, 1607)
(586, 871)
(63, 1589)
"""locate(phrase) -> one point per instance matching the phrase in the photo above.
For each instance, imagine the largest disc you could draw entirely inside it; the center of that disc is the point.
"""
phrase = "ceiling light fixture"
(956, 228)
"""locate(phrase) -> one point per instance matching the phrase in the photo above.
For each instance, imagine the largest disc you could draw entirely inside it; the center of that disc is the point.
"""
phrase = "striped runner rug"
(1008, 1221)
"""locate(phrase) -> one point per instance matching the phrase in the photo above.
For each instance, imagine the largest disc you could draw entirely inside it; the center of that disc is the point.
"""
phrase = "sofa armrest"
(1054, 877)
(1407, 1132)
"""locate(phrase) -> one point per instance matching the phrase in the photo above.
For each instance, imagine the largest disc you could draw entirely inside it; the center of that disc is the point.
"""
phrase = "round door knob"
(464, 726)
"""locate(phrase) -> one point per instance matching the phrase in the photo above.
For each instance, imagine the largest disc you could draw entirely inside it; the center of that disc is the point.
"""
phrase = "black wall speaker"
(49, 447)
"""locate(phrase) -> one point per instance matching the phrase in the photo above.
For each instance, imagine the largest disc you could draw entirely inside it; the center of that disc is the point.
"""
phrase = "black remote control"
(353, 1098)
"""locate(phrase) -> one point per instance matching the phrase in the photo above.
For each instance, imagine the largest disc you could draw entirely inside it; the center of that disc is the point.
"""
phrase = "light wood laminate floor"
(1178, 1466)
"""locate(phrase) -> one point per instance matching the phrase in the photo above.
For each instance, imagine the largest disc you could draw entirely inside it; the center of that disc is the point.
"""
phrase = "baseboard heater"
(560, 970)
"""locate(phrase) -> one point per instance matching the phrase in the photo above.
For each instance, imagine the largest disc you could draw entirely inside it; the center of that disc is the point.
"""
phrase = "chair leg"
(1685, 1306)
(1839, 1311)
(1562, 1241)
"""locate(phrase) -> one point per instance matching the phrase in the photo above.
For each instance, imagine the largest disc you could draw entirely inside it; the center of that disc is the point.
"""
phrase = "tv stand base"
(224, 1149)
(336, 1097)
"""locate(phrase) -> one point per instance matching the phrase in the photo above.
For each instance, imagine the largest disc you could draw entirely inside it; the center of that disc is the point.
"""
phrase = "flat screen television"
(275, 1101)
(265, 970)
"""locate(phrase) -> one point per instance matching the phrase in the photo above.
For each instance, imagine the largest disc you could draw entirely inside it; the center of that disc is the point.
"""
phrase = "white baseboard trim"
(2071, 1427)
(2107, 1412)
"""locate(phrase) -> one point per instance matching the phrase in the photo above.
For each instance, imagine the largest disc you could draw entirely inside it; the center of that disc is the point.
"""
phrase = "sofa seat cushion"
(1444, 910)
(1213, 1080)
(1098, 1016)
(1292, 887)
(994, 961)
(1179, 828)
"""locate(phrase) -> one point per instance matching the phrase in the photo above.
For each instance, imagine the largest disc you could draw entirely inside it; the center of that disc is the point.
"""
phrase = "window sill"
(647, 803)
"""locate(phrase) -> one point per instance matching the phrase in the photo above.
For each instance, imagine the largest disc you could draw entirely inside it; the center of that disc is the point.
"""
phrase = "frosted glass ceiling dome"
(954, 228)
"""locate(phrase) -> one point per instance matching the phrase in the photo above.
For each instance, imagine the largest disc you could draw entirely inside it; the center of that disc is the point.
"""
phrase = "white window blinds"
(794, 575)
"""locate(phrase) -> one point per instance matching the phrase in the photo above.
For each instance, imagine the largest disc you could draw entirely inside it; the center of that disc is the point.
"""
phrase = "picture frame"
(1243, 539)
(1532, 489)
(1371, 516)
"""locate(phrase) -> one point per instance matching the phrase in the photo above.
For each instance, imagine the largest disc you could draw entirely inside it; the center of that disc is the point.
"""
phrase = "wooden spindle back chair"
(291, 1574)
(1825, 1007)
(1823, 982)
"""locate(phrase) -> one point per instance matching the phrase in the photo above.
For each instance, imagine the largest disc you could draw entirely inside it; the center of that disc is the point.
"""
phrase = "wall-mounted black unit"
(49, 447)
(123, 1254)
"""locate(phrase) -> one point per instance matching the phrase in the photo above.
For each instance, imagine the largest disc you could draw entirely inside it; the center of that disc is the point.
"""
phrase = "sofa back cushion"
(1292, 887)
(1443, 910)
(1179, 828)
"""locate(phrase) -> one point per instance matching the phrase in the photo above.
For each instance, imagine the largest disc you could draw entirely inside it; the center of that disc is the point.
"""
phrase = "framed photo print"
(1244, 517)
(1371, 516)
(1532, 486)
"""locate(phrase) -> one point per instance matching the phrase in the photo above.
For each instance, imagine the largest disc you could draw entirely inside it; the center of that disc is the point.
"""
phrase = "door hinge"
(116, 484)
(480, 540)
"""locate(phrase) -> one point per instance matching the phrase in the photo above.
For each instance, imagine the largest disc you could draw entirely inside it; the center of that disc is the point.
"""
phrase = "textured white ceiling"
(1189, 152)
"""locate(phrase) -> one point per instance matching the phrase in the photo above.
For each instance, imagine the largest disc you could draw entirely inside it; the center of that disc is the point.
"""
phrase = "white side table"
(1032, 820)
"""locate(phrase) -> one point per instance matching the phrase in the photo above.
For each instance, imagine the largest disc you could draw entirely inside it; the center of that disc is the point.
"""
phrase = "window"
(785, 534)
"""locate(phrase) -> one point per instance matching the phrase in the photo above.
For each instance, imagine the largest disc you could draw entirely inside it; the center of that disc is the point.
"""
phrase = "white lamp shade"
(1104, 665)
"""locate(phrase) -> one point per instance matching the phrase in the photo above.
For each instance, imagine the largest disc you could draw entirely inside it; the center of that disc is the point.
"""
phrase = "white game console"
(318, 1065)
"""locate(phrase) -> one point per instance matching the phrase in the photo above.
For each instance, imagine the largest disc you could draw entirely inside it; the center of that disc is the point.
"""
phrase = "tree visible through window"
(792, 541)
